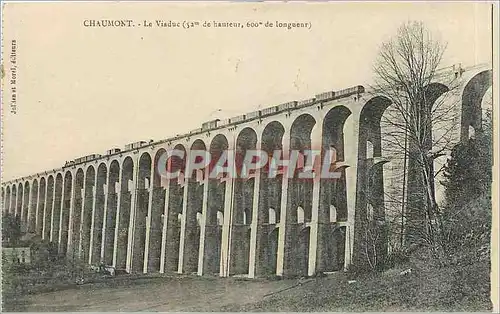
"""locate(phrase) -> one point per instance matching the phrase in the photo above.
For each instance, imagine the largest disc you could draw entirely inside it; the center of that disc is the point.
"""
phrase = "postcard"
(259, 156)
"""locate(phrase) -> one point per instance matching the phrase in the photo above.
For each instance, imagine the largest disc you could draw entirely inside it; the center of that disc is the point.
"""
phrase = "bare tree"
(420, 125)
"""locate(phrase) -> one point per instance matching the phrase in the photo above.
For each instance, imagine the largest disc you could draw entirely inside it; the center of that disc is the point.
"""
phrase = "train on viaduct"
(114, 208)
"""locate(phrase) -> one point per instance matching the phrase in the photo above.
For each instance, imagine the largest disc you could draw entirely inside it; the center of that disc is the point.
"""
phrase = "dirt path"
(156, 294)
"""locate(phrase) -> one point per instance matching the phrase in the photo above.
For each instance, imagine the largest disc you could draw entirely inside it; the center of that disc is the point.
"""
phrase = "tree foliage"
(468, 172)
(11, 228)
(467, 213)
(422, 124)
(418, 126)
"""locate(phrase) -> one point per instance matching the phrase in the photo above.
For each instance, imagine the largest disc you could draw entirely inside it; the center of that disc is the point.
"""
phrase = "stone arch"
(19, 201)
(33, 208)
(144, 175)
(194, 205)
(100, 199)
(299, 196)
(374, 124)
(158, 193)
(175, 201)
(487, 107)
(126, 190)
(244, 185)
(7, 200)
(76, 221)
(88, 203)
(440, 115)
(13, 200)
(65, 211)
(48, 208)
(41, 206)
(333, 139)
(269, 198)
(56, 210)
(472, 96)
(371, 141)
(143, 188)
(215, 203)
(25, 205)
(436, 104)
(433, 92)
(246, 140)
(111, 211)
(370, 126)
(333, 193)
(243, 204)
(300, 189)
(272, 138)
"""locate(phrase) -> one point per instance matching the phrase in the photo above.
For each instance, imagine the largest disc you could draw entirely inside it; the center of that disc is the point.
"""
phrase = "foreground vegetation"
(426, 288)
(451, 288)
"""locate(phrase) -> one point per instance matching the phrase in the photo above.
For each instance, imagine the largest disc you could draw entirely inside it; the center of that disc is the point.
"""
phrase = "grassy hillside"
(453, 288)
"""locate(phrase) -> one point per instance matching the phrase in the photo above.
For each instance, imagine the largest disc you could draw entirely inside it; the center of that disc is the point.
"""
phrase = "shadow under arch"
(41, 206)
(472, 96)
(332, 192)
(175, 202)
(7, 200)
(25, 205)
(65, 208)
(19, 201)
(158, 193)
(33, 209)
(13, 200)
(194, 205)
(100, 197)
(212, 248)
(47, 213)
(56, 210)
(78, 197)
(420, 138)
(125, 199)
(86, 224)
(242, 205)
(299, 200)
(111, 211)
(370, 184)
(269, 198)
(143, 188)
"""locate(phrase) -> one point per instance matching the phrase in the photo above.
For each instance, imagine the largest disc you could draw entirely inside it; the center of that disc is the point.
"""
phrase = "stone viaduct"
(116, 209)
